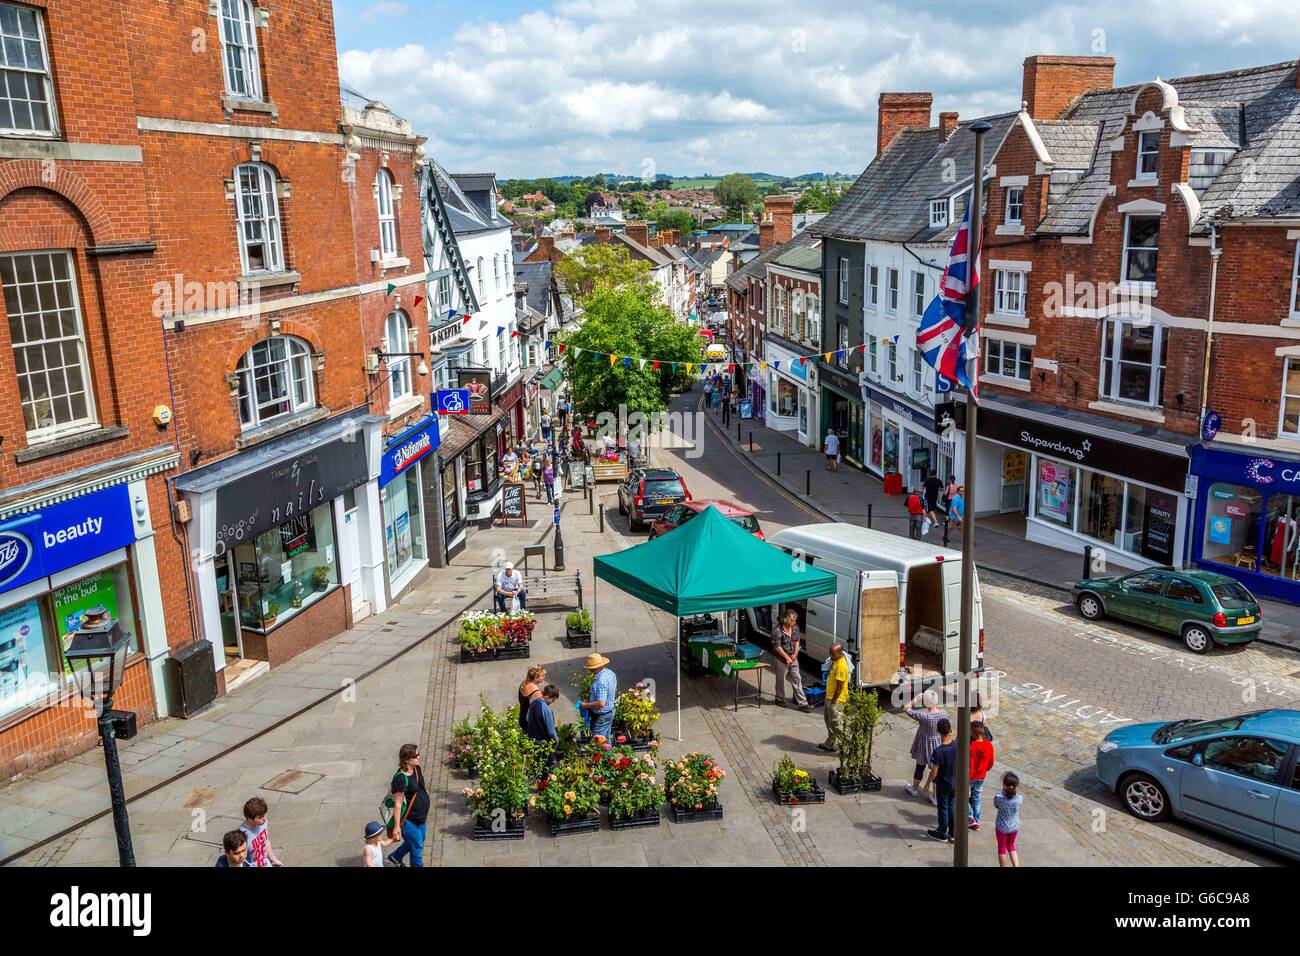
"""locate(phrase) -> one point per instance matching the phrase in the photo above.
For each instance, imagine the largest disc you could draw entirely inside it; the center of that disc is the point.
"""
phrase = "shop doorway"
(352, 557)
(1015, 483)
(232, 638)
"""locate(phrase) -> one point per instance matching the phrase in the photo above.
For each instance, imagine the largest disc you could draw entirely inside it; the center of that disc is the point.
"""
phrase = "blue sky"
(684, 87)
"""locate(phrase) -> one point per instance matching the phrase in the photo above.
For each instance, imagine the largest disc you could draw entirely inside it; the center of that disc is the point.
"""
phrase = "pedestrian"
(915, 515)
(786, 640)
(234, 850)
(1008, 803)
(532, 681)
(633, 452)
(943, 777)
(949, 493)
(832, 448)
(926, 739)
(510, 585)
(372, 851)
(546, 427)
(548, 479)
(957, 507)
(708, 392)
(977, 717)
(726, 407)
(837, 695)
(933, 491)
(410, 805)
(258, 832)
(536, 471)
(541, 718)
(599, 704)
(981, 762)
(510, 464)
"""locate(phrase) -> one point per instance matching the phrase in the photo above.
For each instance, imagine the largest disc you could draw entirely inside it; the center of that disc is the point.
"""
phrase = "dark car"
(678, 515)
(1202, 607)
(648, 493)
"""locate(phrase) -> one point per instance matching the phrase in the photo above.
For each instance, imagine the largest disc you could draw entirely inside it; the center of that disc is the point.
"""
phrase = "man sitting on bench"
(508, 584)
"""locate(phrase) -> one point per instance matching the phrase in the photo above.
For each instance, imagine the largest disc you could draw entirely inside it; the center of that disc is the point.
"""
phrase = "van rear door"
(952, 619)
(877, 645)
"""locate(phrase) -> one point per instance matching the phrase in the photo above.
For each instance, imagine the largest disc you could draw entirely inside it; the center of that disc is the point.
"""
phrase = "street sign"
(451, 401)
(555, 516)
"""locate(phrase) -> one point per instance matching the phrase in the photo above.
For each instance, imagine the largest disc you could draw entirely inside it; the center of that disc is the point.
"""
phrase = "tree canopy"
(819, 197)
(737, 194)
(598, 266)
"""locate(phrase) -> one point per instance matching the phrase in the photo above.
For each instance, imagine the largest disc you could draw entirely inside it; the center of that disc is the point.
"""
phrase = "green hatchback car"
(1202, 607)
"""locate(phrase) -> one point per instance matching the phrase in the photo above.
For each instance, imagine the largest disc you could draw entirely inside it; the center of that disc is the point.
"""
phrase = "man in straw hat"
(599, 704)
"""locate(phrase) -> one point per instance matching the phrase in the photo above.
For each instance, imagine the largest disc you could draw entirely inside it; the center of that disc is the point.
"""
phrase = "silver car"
(1238, 775)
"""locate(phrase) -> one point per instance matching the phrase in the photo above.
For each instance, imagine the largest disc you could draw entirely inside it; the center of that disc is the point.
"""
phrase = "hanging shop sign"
(478, 382)
(408, 448)
(452, 401)
(63, 535)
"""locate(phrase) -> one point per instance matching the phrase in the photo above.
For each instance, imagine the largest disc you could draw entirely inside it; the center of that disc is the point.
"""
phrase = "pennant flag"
(464, 320)
(613, 359)
(731, 368)
(895, 339)
(548, 345)
(514, 333)
(575, 351)
(627, 363)
(799, 361)
(418, 300)
(777, 366)
(642, 365)
(391, 289)
(689, 366)
(656, 365)
(500, 329)
(762, 366)
(948, 336)
(828, 356)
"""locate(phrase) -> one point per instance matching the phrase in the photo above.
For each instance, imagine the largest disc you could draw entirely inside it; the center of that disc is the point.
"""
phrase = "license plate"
(1246, 620)
(665, 501)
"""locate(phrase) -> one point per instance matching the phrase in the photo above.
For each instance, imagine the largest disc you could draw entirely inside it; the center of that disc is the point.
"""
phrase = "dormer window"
(1141, 248)
(1015, 205)
(938, 213)
(960, 202)
(1148, 158)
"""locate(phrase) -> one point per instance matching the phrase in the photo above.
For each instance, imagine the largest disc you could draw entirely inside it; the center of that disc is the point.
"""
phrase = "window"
(918, 372)
(26, 88)
(274, 380)
(403, 522)
(1141, 247)
(1008, 359)
(891, 291)
(1148, 154)
(397, 339)
(1056, 483)
(938, 213)
(443, 293)
(496, 274)
(286, 569)
(239, 49)
(387, 220)
(842, 358)
(1253, 757)
(49, 345)
(1205, 166)
(1232, 517)
(891, 362)
(872, 353)
(778, 308)
(873, 286)
(814, 322)
(918, 294)
(1015, 205)
(481, 296)
(259, 219)
(1291, 398)
(960, 203)
(1009, 292)
(1186, 591)
(844, 281)
(1148, 582)
(502, 361)
(1133, 362)
(1295, 283)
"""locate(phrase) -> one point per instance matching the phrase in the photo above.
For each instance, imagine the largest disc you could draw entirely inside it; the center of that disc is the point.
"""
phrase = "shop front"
(843, 410)
(64, 555)
(1248, 519)
(790, 405)
(902, 439)
(290, 538)
(402, 484)
(1079, 487)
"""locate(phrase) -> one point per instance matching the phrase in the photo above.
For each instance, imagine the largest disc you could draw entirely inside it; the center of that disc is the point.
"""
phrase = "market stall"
(683, 573)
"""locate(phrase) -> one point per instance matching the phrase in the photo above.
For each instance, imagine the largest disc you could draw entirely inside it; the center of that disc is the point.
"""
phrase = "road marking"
(1052, 700)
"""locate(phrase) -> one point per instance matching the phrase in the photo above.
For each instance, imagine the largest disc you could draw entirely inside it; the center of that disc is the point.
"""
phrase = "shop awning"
(552, 380)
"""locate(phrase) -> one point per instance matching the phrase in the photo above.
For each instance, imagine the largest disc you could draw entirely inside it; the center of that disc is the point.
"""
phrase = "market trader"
(599, 704)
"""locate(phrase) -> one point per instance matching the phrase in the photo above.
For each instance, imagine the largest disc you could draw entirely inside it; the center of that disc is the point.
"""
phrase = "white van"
(897, 609)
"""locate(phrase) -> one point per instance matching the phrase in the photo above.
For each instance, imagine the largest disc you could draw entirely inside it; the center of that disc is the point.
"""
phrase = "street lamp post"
(96, 656)
(559, 534)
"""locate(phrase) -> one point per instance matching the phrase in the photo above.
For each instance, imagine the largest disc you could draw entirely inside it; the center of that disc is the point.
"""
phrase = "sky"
(687, 87)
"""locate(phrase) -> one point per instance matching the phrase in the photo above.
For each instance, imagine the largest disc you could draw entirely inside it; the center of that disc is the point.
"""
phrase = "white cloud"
(383, 10)
(602, 85)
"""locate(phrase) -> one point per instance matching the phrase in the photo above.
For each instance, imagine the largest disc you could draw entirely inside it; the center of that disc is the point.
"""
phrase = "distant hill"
(709, 181)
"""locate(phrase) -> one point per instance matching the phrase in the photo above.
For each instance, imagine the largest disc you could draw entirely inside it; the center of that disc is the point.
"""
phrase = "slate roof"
(802, 257)
(655, 257)
(463, 212)
(757, 267)
(538, 277)
(1071, 144)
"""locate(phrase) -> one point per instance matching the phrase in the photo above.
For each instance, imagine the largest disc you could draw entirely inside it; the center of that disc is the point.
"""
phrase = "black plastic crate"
(845, 787)
(588, 824)
(514, 652)
(514, 830)
(814, 795)
(469, 657)
(694, 816)
(644, 818)
(573, 639)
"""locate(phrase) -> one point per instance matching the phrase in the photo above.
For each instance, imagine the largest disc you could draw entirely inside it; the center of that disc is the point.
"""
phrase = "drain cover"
(213, 830)
(292, 781)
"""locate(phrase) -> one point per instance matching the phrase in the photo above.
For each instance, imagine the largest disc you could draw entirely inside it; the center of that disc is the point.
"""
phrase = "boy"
(259, 835)
(234, 847)
(372, 853)
(943, 775)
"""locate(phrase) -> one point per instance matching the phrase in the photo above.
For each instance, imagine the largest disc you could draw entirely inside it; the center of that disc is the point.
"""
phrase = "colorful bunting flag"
(418, 300)
(613, 359)
(391, 289)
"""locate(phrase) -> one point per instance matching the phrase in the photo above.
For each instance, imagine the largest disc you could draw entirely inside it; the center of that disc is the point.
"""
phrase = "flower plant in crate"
(635, 715)
(460, 749)
(861, 715)
(636, 795)
(569, 797)
(508, 763)
(794, 786)
(606, 760)
(577, 628)
(692, 785)
(479, 633)
(516, 628)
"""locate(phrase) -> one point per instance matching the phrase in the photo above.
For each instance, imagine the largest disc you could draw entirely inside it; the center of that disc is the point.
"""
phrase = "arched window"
(397, 338)
(258, 211)
(387, 219)
(239, 49)
(480, 280)
(274, 380)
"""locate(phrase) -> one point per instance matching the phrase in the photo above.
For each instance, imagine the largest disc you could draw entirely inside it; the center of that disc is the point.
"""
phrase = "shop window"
(1290, 426)
(1149, 523)
(403, 523)
(1101, 500)
(451, 512)
(26, 87)
(287, 569)
(786, 398)
(1281, 556)
(274, 380)
(481, 463)
(1055, 502)
(1232, 516)
(1133, 362)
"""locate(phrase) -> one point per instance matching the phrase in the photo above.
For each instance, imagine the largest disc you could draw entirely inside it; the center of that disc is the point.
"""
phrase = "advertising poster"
(1054, 492)
(24, 663)
(73, 600)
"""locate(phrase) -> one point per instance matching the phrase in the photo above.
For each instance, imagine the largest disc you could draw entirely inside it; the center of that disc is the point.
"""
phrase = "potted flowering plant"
(508, 762)
(577, 628)
(569, 797)
(477, 635)
(692, 786)
(606, 760)
(637, 795)
(793, 786)
(861, 715)
(460, 749)
(635, 715)
(515, 631)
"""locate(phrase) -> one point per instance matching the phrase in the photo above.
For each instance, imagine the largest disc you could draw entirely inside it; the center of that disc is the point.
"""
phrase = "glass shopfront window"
(1118, 513)
(1055, 492)
(1232, 516)
(785, 398)
(286, 569)
(481, 462)
(1101, 502)
(890, 456)
(403, 524)
(877, 436)
(1281, 557)
(451, 512)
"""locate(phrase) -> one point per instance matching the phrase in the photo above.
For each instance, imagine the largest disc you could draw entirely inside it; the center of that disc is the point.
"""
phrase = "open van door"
(952, 619)
(879, 635)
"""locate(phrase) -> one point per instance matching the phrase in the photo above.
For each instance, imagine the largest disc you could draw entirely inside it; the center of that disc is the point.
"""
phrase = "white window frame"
(891, 290)
(46, 78)
(918, 372)
(918, 294)
(1112, 337)
(873, 356)
(481, 295)
(266, 194)
(295, 366)
(387, 214)
(397, 339)
(48, 315)
(238, 32)
(798, 317)
(503, 362)
(496, 273)
(778, 308)
(873, 287)
(1006, 299)
(1015, 206)
(842, 346)
(843, 280)
(813, 323)
(891, 362)
(995, 350)
(938, 213)
(1287, 396)
(954, 199)
(1124, 264)
(1148, 144)
(1295, 284)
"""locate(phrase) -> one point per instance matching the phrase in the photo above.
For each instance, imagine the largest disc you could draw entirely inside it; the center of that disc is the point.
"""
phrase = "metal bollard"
(778, 464)
(807, 483)
(751, 443)
(1087, 560)
(946, 525)
(870, 506)
(738, 431)
(602, 518)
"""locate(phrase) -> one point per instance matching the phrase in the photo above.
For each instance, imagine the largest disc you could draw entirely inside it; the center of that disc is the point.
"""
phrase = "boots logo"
(15, 554)
(133, 911)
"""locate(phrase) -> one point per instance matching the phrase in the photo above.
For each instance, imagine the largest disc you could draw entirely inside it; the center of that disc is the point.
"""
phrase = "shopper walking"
(372, 850)
(837, 695)
(981, 762)
(546, 428)
(1008, 803)
(957, 507)
(915, 515)
(926, 739)
(532, 681)
(541, 718)
(943, 777)
(599, 704)
(832, 449)
(933, 492)
(548, 479)
(258, 832)
(786, 641)
(410, 807)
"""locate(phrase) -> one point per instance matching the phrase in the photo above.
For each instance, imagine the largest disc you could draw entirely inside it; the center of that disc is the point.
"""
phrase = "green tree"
(601, 266)
(819, 197)
(635, 206)
(627, 322)
(737, 194)
(678, 219)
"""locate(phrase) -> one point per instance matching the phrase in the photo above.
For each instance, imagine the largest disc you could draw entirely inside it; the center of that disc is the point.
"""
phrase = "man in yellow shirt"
(837, 695)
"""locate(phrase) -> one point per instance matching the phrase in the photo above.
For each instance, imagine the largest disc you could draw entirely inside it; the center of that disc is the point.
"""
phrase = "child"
(981, 762)
(372, 854)
(234, 850)
(1008, 803)
(259, 835)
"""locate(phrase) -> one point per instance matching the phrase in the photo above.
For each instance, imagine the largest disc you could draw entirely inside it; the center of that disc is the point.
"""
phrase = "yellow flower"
(570, 796)
(567, 809)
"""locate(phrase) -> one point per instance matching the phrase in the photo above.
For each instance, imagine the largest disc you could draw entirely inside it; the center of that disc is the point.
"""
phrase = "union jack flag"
(948, 336)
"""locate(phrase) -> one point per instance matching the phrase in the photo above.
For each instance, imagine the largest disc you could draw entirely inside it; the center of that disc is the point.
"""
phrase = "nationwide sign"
(408, 448)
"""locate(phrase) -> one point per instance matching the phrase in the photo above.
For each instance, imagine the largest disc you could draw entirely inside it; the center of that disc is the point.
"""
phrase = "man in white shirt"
(509, 583)
(832, 451)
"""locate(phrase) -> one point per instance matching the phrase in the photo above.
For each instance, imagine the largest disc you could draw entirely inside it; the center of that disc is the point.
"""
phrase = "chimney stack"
(766, 233)
(896, 112)
(546, 245)
(603, 234)
(779, 210)
(1054, 82)
(638, 231)
(947, 124)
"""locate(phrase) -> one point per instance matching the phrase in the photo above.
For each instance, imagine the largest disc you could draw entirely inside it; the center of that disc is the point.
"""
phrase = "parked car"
(1238, 775)
(648, 493)
(1202, 607)
(678, 515)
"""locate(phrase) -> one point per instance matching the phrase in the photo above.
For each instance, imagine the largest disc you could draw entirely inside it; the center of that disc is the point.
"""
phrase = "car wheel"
(1144, 798)
(1090, 607)
(1197, 639)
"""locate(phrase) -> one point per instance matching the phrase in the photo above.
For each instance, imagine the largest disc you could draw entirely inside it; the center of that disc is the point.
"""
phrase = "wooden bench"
(560, 587)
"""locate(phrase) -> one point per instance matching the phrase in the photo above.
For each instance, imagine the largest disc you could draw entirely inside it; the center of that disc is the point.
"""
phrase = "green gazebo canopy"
(711, 564)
